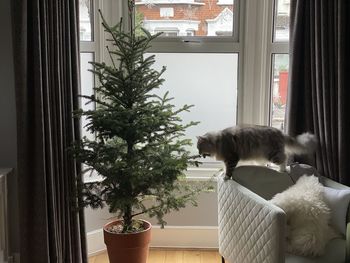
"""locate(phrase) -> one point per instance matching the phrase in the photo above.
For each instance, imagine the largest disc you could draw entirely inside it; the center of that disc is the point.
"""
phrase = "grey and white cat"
(253, 142)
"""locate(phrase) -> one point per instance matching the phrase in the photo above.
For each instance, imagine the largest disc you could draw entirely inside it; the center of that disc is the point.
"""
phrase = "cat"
(247, 142)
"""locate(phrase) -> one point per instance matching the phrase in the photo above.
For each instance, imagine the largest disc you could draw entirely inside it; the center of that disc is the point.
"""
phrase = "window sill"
(192, 174)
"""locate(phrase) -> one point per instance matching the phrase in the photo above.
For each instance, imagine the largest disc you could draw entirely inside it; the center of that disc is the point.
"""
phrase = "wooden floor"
(172, 256)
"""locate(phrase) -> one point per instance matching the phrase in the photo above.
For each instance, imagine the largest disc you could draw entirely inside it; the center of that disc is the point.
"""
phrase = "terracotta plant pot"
(130, 247)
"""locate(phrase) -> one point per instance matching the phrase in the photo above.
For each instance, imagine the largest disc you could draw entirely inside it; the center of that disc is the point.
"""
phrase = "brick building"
(187, 17)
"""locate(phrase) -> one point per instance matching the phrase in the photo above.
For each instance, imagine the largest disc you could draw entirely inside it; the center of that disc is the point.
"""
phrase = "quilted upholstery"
(249, 226)
(251, 230)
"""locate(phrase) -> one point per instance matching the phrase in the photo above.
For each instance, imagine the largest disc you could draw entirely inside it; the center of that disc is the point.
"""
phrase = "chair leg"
(222, 259)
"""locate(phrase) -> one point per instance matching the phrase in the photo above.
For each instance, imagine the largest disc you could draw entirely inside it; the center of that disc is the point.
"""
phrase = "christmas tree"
(139, 148)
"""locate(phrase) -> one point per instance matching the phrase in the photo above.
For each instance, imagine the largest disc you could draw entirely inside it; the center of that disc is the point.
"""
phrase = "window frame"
(253, 42)
(275, 48)
(92, 46)
(258, 58)
(207, 44)
(204, 44)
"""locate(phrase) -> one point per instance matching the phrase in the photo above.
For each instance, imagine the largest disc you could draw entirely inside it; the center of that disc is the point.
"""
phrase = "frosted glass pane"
(87, 84)
(209, 81)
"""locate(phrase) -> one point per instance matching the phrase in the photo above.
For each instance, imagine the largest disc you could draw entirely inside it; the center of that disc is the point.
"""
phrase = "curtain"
(319, 81)
(46, 48)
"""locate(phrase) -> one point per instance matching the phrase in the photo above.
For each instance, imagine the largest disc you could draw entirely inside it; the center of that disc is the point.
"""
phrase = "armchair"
(252, 230)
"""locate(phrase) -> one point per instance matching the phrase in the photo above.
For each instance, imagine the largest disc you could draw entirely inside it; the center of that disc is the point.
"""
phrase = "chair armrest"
(251, 229)
(330, 183)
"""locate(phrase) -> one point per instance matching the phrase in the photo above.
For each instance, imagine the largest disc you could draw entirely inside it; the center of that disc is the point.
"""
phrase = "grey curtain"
(46, 48)
(319, 84)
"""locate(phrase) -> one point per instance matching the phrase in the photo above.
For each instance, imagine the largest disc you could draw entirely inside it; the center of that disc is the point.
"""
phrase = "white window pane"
(204, 18)
(281, 21)
(85, 18)
(279, 89)
(209, 82)
(87, 85)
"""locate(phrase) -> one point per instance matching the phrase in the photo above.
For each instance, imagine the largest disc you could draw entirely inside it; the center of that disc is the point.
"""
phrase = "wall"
(203, 215)
(8, 142)
(190, 227)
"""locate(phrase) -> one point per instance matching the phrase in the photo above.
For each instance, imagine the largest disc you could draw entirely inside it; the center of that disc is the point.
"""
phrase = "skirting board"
(169, 237)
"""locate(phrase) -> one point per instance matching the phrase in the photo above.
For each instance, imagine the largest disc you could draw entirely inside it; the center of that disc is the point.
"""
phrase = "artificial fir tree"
(139, 148)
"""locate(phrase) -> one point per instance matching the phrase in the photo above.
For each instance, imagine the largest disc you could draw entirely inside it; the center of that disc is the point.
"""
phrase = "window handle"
(191, 41)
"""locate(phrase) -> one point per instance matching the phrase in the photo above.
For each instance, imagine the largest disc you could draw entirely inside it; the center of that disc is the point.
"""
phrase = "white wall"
(190, 227)
(8, 141)
(203, 215)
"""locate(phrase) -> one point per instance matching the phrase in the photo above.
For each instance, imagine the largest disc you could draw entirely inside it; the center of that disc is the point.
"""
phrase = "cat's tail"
(302, 144)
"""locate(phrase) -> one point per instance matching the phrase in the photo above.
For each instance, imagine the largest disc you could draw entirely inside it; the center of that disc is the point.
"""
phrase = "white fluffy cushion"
(338, 202)
(308, 217)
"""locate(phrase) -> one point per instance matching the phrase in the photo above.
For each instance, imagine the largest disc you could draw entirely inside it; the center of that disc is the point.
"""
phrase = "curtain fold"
(46, 47)
(319, 81)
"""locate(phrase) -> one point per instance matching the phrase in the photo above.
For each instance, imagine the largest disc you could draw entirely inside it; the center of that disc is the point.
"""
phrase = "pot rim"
(118, 220)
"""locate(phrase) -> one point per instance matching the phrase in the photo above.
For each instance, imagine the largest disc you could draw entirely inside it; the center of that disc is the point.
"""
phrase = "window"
(258, 69)
(203, 18)
(228, 58)
(166, 12)
(281, 21)
(89, 43)
(86, 20)
(280, 63)
(279, 89)
(87, 84)
(202, 62)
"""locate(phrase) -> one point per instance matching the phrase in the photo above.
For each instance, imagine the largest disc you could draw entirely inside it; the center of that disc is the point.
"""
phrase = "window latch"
(191, 41)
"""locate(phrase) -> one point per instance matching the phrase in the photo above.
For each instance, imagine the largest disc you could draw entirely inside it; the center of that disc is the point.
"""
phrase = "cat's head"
(206, 145)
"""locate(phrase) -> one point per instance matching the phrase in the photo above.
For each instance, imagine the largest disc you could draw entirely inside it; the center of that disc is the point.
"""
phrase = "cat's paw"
(282, 169)
(227, 177)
